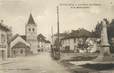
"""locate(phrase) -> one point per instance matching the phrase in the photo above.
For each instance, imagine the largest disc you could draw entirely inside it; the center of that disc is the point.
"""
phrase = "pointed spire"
(31, 20)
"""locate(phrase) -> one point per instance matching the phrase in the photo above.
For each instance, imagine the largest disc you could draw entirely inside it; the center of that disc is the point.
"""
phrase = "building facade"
(19, 47)
(43, 44)
(4, 41)
(79, 41)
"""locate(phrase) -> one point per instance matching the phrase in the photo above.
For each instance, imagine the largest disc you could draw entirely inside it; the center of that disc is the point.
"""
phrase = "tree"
(111, 34)
(111, 29)
(98, 29)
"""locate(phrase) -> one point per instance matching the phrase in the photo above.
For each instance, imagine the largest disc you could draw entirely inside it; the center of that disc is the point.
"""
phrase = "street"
(41, 63)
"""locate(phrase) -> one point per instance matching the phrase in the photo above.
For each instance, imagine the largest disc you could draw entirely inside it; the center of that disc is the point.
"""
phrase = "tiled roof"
(78, 33)
(61, 34)
(41, 37)
(16, 39)
(47, 41)
(16, 35)
(23, 36)
(20, 45)
(13, 38)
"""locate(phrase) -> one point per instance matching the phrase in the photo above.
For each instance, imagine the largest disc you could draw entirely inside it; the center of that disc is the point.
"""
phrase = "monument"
(105, 54)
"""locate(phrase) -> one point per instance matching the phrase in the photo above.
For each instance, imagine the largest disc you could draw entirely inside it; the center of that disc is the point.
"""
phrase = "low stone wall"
(68, 56)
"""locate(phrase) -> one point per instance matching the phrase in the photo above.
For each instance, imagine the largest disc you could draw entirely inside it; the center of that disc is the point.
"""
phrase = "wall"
(3, 44)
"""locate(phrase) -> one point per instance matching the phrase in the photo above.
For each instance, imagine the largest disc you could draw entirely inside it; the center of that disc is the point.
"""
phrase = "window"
(21, 51)
(33, 29)
(29, 29)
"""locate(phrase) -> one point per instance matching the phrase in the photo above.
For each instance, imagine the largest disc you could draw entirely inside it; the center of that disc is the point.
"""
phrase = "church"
(29, 43)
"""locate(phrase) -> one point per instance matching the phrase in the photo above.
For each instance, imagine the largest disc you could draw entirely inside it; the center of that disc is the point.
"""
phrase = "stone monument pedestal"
(102, 58)
(104, 55)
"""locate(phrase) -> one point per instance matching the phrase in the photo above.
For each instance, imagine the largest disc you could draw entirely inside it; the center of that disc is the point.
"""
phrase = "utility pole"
(52, 44)
(58, 24)
(58, 39)
(52, 34)
(56, 46)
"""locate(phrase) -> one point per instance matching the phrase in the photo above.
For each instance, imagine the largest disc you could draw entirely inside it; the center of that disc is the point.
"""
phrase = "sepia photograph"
(56, 36)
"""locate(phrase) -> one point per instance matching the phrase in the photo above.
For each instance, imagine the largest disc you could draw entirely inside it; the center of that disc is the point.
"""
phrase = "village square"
(65, 49)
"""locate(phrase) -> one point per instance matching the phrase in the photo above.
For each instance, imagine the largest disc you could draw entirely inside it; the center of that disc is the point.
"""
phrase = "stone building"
(47, 45)
(4, 30)
(79, 40)
(61, 36)
(18, 46)
(43, 44)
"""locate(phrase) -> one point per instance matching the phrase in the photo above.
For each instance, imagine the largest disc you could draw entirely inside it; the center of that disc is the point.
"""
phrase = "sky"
(15, 13)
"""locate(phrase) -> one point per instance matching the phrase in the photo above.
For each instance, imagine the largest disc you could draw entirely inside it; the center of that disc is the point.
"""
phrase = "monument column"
(104, 39)
(105, 54)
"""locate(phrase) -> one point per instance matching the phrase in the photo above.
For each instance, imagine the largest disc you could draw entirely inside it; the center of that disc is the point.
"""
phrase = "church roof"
(15, 36)
(20, 45)
(31, 20)
(23, 36)
(17, 39)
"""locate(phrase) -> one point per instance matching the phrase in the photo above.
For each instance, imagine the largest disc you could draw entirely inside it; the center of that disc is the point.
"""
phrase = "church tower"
(31, 34)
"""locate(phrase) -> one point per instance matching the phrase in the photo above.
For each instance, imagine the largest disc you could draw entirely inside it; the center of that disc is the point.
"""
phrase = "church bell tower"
(31, 34)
